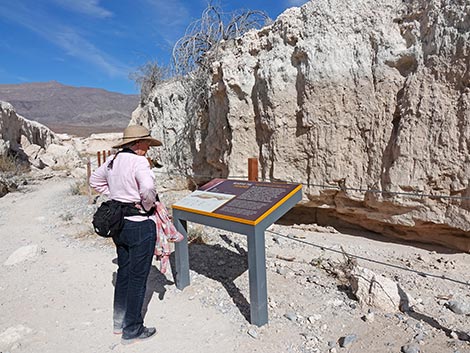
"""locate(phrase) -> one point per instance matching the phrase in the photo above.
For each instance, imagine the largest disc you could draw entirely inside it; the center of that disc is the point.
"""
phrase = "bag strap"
(124, 150)
(130, 209)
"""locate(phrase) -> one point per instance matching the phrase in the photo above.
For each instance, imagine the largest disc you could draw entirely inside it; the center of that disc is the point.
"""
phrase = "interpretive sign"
(246, 202)
(245, 207)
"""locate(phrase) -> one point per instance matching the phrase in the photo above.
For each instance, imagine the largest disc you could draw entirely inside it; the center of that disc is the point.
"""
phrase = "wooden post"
(98, 156)
(253, 169)
(88, 175)
(104, 156)
(109, 153)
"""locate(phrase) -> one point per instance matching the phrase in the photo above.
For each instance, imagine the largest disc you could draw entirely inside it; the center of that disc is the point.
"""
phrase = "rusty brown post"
(109, 153)
(88, 175)
(253, 169)
(98, 156)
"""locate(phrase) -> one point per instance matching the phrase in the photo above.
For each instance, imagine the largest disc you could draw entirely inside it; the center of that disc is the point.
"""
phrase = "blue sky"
(97, 43)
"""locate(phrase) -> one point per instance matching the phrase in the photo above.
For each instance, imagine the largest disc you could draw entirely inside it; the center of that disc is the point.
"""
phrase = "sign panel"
(241, 201)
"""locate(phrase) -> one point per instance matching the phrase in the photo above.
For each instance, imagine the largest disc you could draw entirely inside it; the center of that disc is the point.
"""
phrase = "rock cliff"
(34, 142)
(366, 103)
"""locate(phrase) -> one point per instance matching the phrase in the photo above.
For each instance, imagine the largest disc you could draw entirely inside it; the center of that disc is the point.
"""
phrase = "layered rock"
(366, 103)
(34, 142)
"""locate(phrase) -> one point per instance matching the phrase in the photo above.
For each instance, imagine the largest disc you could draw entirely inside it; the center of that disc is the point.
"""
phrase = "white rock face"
(13, 127)
(342, 97)
(39, 144)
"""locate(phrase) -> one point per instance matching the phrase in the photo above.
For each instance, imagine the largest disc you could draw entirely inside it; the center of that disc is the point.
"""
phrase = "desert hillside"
(65, 109)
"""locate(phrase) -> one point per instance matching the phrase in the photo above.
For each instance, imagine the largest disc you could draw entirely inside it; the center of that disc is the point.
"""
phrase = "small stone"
(399, 317)
(281, 270)
(369, 317)
(291, 316)
(253, 333)
(314, 318)
(459, 307)
(346, 341)
(410, 348)
(22, 254)
(420, 336)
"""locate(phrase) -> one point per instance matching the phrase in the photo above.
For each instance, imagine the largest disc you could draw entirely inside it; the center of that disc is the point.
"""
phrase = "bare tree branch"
(148, 76)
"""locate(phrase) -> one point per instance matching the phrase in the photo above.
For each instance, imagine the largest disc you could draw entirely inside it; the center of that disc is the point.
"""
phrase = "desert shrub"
(199, 46)
(196, 235)
(148, 76)
(13, 165)
(80, 188)
(194, 53)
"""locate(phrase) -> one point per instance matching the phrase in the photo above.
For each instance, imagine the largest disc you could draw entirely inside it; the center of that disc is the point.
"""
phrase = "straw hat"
(135, 133)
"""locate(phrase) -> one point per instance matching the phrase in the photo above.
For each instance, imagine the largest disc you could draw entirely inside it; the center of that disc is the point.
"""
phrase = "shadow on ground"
(222, 265)
(156, 283)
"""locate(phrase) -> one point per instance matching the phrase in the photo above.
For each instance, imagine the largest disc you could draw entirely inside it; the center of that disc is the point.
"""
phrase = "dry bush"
(194, 53)
(196, 235)
(80, 188)
(199, 46)
(148, 76)
(13, 165)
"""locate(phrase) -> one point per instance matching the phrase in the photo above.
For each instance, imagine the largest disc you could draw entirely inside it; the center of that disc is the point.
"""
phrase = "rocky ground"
(56, 284)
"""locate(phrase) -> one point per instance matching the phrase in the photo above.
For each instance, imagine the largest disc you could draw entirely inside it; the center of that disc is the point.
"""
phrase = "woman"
(127, 177)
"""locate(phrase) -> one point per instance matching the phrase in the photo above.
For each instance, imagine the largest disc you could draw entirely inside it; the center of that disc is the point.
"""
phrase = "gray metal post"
(257, 277)
(181, 255)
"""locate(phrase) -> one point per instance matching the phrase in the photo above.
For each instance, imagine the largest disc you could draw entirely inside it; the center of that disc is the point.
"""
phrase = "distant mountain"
(67, 109)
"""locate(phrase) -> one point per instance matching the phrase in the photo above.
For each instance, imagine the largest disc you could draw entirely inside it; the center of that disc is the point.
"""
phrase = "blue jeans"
(135, 246)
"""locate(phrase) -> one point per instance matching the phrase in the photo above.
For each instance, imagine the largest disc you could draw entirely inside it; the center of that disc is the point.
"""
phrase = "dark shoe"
(147, 333)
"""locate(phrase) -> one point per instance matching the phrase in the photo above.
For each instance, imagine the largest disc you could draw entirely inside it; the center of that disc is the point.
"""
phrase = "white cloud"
(291, 3)
(86, 7)
(77, 46)
(66, 38)
(170, 13)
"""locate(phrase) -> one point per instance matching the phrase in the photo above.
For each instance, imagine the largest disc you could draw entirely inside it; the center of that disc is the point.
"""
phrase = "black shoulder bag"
(108, 219)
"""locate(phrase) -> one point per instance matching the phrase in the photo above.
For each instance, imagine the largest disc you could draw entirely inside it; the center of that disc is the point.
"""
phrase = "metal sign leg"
(257, 275)
(181, 255)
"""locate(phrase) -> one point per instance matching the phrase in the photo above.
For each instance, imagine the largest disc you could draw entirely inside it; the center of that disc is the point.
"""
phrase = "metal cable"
(332, 187)
(421, 273)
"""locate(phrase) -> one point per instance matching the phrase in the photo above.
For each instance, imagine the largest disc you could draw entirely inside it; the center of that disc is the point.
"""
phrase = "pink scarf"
(166, 234)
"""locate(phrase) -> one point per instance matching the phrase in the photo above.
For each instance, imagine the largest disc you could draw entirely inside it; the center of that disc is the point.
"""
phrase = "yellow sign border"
(241, 220)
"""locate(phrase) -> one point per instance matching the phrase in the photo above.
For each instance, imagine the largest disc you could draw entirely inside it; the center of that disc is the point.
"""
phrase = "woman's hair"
(130, 144)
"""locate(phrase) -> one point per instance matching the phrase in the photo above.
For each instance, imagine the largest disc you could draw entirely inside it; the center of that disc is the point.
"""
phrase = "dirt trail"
(60, 301)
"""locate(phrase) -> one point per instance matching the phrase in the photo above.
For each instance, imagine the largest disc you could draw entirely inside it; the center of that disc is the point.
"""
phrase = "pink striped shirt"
(130, 180)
